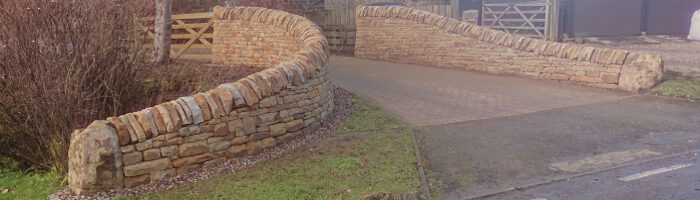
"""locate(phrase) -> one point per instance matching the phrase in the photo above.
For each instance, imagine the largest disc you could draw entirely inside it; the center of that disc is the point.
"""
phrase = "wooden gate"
(530, 19)
(339, 27)
(192, 35)
(442, 10)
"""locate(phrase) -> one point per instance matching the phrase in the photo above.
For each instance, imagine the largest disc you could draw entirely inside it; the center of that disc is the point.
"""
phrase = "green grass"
(345, 166)
(678, 86)
(369, 117)
(26, 184)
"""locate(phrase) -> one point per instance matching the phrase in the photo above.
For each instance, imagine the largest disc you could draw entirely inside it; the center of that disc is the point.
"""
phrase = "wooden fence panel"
(442, 10)
(339, 24)
(339, 27)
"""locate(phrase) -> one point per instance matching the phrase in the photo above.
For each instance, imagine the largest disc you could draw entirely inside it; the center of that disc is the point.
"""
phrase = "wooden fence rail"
(192, 35)
(442, 10)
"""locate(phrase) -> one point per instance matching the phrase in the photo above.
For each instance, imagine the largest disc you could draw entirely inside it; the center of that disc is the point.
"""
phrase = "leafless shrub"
(63, 64)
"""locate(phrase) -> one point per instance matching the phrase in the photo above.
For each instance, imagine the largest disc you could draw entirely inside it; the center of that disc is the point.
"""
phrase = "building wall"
(628, 17)
(603, 17)
(670, 17)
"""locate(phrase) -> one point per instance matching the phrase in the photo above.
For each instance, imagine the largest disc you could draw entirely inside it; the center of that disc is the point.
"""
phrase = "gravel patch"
(344, 106)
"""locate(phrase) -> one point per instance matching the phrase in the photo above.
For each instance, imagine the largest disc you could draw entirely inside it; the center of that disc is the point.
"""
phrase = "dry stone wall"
(291, 97)
(417, 37)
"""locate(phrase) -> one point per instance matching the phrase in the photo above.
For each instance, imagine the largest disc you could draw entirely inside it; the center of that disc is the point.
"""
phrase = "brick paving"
(431, 96)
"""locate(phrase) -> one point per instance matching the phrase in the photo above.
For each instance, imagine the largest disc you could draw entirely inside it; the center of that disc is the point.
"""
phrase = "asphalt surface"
(485, 156)
(680, 183)
(480, 134)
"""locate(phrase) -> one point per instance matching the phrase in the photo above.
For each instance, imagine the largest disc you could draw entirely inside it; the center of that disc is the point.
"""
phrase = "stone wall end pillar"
(94, 159)
(641, 71)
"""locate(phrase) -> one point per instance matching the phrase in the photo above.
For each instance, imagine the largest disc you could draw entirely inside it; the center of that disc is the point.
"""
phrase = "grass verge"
(678, 86)
(18, 184)
(369, 117)
(375, 154)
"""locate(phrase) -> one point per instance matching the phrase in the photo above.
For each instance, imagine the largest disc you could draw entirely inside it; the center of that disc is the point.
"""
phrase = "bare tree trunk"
(163, 31)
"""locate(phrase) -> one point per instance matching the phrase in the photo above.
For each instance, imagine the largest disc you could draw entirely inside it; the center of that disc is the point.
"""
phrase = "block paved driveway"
(481, 134)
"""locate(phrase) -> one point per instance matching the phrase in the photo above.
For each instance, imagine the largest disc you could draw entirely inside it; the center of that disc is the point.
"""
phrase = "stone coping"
(305, 64)
(643, 71)
(95, 153)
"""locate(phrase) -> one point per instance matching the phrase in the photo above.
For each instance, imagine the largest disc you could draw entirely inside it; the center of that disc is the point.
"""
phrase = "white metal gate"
(530, 19)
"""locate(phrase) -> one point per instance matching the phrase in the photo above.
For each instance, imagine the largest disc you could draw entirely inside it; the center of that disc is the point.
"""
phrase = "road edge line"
(563, 178)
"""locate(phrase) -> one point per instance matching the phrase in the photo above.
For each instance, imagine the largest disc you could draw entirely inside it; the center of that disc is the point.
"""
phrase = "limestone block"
(236, 127)
(127, 149)
(94, 159)
(226, 98)
(151, 154)
(238, 99)
(149, 121)
(138, 130)
(137, 180)
(189, 149)
(203, 106)
(249, 124)
(180, 112)
(193, 159)
(216, 107)
(174, 119)
(132, 132)
(158, 119)
(169, 151)
(143, 122)
(219, 146)
(147, 167)
(641, 71)
(254, 147)
(253, 87)
(131, 158)
(248, 95)
(122, 130)
(221, 129)
(239, 140)
(196, 111)
(198, 137)
(278, 129)
(258, 136)
(206, 128)
(295, 125)
(141, 146)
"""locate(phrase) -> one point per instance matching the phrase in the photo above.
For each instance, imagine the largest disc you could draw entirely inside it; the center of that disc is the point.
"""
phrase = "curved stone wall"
(292, 96)
(417, 37)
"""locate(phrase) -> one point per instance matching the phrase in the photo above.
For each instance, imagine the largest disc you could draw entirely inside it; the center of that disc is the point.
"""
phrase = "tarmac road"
(481, 134)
